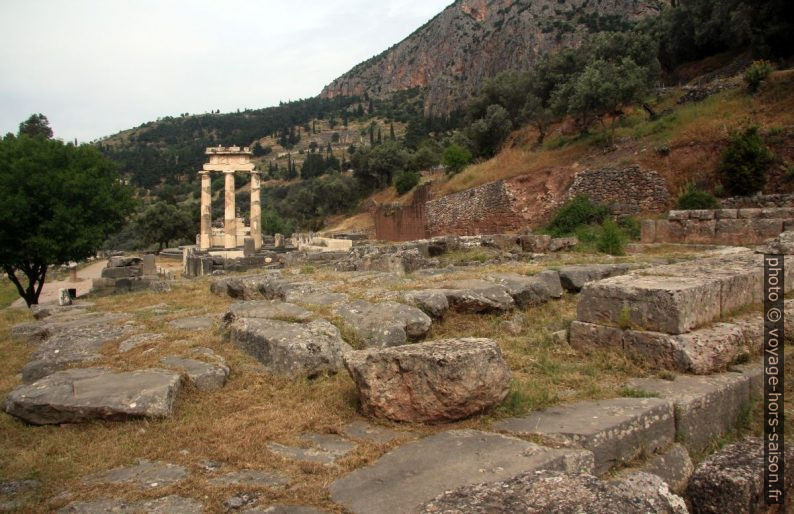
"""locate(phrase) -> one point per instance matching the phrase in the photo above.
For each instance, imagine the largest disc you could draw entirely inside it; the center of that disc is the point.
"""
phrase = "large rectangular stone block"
(702, 214)
(733, 232)
(648, 231)
(727, 214)
(678, 215)
(749, 213)
(121, 272)
(706, 407)
(699, 231)
(616, 430)
(777, 213)
(669, 304)
(766, 228)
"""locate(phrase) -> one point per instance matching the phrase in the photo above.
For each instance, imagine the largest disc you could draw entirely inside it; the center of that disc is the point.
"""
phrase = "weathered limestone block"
(432, 382)
(121, 261)
(648, 231)
(701, 214)
(573, 278)
(699, 230)
(732, 480)
(144, 475)
(616, 430)
(749, 213)
(530, 290)
(478, 296)
(149, 266)
(265, 309)
(559, 244)
(673, 305)
(121, 272)
(766, 228)
(205, 376)
(384, 324)
(777, 213)
(433, 302)
(172, 504)
(733, 232)
(678, 215)
(414, 473)
(706, 407)
(535, 243)
(674, 466)
(783, 244)
(560, 493)
(726, 214)
(291, 349)
(79, 395)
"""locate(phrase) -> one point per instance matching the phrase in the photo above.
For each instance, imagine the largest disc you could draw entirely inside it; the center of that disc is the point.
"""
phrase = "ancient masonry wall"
(487, 209)
(758, 201)
(719, 226)
(626, 190)
(403, 222)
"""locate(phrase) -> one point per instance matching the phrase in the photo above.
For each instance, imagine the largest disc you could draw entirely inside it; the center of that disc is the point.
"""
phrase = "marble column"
(229, 217)
(205, 238)
(256, 210)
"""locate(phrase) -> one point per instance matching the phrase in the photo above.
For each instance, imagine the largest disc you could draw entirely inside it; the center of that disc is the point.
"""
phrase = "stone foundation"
(627, 191)
(741, 227)
(200, 264)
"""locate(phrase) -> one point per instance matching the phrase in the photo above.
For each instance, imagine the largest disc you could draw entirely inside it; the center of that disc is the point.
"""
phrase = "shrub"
(631, 227)
(745, 162)
(693, 198)
(575, 213)
(611, 240)
(756, 73)
(406, 181)
(456, 158)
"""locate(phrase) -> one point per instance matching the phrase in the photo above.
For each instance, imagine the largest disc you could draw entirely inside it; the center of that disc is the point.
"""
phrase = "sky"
(95, 67)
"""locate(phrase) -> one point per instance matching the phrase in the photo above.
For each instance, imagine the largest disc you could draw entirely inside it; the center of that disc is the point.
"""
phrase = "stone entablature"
(719, 226)
(229, 160)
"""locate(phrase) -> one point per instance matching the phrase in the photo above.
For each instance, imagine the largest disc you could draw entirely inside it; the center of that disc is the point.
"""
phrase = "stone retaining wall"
(628, 190)
(719, 226)
(403, 222)
(487, 209)
(758, 201)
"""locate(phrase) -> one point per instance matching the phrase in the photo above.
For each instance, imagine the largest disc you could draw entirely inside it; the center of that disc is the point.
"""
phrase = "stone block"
(616, 430)
(648, 231)
(534, 243)
(755, 373)
(673, 465)
(699, 231)
(788, 225)
(121, 272)
(733, 232)
(573, 278)
(749, 213)
(672, 305)
(726, 214)
(777, 213)
(701, 214)
(766, 228)
(249, 248)
(678, 215)
(414, 473)
(706, 407)
(149, 266)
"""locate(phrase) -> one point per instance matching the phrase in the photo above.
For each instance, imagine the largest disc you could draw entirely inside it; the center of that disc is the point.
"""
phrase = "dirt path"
(85, 276)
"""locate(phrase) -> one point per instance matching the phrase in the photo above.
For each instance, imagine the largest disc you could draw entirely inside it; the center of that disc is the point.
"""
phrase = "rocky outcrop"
(431, 382)
(454, 54)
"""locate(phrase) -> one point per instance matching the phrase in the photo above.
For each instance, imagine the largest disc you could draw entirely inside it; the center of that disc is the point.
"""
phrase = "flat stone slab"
(166, 505)
(616, 430)
(61, 344)
(325, 449)
(251, 478)
(573, 278)
(478, 296)
(706, 407)
(203, 375)
(15, 493)
(561, 493)
(530, 290)
(79, 395)
(284, 509)
(431, 382)
(414, 473)
(192, 323)
(266, 309)
(385, 324)
(145, 475)
(373, 433)
(137, 341)
(291, 349)
(320, 299)
(732, 479)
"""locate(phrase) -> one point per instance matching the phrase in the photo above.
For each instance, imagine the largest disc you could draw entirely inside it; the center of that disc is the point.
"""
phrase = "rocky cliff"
(452, 55)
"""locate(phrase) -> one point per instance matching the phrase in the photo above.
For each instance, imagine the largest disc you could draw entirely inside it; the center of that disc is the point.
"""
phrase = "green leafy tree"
(428, 156)
(745, 162)
(59, 203)
(489, 133)
(405, 181)
(162, 223)
(456, 157)
(36, 126)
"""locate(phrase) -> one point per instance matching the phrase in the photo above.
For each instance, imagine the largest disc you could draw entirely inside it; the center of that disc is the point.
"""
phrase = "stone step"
(616, 430)
(677, 298)
(573, 278)
(412, 474)
(673, 465)
(706, 407)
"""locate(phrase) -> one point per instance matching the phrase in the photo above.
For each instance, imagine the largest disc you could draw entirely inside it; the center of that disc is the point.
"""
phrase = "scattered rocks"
(437, 381)
(414, 473)
(291, 349)
(553, 491)
(79, 395)
(192, 323)
(205, 376)
(144, 475)
(732, 480)
(384, 324)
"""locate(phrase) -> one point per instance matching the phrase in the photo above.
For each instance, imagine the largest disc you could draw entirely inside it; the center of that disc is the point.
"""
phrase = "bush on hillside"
(745, 163)
(756, 73)
(693, 199)
(406, 181)
(575, 213)
(631, 227)
(456, 157)
(611, 240)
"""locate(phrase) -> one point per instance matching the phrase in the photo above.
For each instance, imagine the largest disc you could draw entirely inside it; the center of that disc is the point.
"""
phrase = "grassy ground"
(232, 426)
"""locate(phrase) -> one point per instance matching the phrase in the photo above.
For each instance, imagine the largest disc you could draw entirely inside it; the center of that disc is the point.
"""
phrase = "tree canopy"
(36, 125)
(162, 223)
(59, 203)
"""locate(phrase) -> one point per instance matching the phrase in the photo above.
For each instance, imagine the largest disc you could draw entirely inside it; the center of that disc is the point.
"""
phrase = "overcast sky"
(96, 67)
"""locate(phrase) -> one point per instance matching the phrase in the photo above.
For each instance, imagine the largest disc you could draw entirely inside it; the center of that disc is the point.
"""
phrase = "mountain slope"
(472, 40)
